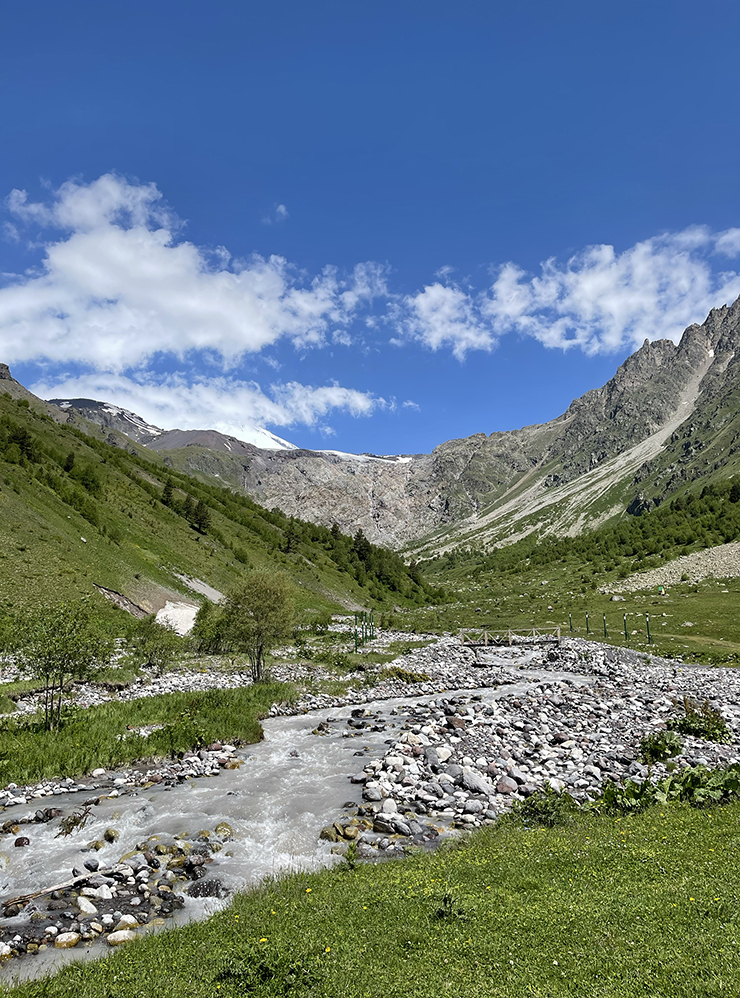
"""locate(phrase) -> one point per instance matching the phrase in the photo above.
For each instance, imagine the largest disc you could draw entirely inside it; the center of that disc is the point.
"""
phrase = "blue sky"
(367, 227)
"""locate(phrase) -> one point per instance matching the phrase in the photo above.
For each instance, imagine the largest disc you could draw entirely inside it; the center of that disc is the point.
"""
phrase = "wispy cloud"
(221, 403)
(279, 214)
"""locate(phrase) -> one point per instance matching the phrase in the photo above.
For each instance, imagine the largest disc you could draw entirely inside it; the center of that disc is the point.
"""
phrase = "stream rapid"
(288, 787)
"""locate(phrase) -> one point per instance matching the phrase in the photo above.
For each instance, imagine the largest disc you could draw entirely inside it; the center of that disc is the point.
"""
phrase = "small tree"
(155, 644)
(208, 629)
(257, 614)
(60, 644)
(201, 517)
(187, 508)
(168, 493)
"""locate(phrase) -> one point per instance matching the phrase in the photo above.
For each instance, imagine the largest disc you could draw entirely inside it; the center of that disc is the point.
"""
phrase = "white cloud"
(598, 300)
(280, 214)
(445, 316)
(729, 242)
(410, 404)
(602, 301)
(222, 403)
(120, 285)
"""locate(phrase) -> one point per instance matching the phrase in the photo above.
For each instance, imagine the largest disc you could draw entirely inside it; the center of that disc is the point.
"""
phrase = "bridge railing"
(480, 637)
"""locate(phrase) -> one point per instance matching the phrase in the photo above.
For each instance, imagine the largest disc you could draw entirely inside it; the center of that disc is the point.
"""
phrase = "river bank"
(379, 770)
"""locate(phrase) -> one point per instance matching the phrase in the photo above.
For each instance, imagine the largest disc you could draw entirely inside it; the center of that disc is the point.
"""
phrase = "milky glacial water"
(288, 788)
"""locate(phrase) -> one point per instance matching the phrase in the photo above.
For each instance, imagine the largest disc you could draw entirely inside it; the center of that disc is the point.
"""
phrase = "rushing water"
(289, 786)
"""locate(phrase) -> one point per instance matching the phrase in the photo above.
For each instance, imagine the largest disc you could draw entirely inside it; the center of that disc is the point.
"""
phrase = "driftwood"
(23, 899)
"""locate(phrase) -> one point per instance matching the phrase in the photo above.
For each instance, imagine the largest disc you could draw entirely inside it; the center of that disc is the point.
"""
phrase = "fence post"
(626, 635)
(647, 624)
(588, 629)
(570, 620)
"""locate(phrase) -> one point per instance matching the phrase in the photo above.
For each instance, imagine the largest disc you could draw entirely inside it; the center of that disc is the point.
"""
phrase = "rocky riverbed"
(448, 741)
(113, 903)
(464, 759)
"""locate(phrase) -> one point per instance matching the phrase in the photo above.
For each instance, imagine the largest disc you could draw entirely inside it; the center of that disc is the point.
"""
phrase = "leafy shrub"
(396, 672)
(659, 746)
(701, 720)
(624, 798)
(321, 623)
(697, 787)
(332, 657)
(546, 808)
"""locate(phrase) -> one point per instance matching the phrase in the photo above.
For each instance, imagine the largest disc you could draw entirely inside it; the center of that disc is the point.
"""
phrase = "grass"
(645, 907)
(522, 601)
(95, 736)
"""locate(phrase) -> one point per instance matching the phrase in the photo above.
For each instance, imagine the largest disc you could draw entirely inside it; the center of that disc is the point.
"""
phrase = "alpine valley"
(669, 416)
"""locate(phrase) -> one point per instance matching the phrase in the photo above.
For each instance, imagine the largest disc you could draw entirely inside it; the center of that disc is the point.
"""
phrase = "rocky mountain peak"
(5, 374)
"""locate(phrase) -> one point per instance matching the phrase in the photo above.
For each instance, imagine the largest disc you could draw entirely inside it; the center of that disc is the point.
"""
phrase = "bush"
(701, 720)
(697, 787)
(396, 672)
(546, 808)
(321, 623)
(659, 746)
(329, 656)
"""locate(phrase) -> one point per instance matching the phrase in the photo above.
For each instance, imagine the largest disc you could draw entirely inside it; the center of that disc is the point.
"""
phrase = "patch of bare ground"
(721, 562)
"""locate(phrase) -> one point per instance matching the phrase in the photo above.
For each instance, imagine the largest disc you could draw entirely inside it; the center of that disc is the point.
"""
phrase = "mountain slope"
(124, 421)
(79, 516)
(669, 415)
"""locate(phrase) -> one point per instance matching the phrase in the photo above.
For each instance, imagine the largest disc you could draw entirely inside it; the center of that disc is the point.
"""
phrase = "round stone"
(66, 940)
(118, 938)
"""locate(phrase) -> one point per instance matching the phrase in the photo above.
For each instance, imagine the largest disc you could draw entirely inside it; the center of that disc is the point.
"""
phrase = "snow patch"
(179, 616)
(362, 458)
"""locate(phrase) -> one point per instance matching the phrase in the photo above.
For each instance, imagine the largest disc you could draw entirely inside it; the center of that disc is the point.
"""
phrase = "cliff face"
(630, 432)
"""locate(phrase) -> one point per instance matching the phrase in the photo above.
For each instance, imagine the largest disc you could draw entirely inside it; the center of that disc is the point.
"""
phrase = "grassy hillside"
(77, 512)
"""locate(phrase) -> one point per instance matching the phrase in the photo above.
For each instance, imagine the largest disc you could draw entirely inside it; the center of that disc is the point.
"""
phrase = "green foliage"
(320, 623)
(546, 808)
(208, 634)
(697, 787)
(660, 746)
(257, 613)
(253, 970)
(688, 522)
(701, 720)
(168, 493)
(405, 675)
(57, 644)
(155, 644)
(329, 656)
(140, 519)
(107, 736)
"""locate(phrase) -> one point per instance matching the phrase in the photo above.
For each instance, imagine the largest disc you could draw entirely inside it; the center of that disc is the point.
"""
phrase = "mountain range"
(669, 416)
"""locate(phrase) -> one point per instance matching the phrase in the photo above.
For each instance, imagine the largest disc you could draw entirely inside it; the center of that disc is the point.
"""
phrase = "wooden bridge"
(477, 637)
